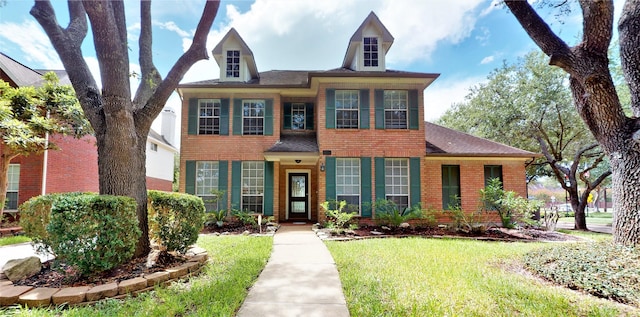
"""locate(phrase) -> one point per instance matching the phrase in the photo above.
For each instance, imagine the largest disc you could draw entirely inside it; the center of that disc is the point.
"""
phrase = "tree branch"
(150, 77)
(196, 52)
(67, 44)
(629, 39)
(597, 25)
(558, 51)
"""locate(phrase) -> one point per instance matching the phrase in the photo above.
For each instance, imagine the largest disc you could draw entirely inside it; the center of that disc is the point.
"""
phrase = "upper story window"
(298, 116)
(347, 105)
(153, 147)
(370, 51)
(208, 116)
(233, 64)
(253, 117)
(395, 109)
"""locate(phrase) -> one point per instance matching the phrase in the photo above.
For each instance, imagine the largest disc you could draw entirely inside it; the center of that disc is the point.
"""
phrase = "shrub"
(511, 208)
(215, 218)
(602, 269)
(389, 214)
(34, 218)
(245, 217)
(175, 219)
(338, 218)
(93, 232)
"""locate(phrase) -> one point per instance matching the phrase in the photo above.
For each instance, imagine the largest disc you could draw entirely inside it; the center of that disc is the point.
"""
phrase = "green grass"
(13, 240)
(234, 265)
(431, 277)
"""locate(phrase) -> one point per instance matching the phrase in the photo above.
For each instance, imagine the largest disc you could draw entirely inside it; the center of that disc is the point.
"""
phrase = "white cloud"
(35, 44)
(487, 60)
(172, 26)
(441, 95)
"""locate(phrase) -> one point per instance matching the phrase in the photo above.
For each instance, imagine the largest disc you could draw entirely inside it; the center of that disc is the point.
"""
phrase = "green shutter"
(414, 179)
(193, 116)
(223, 183)
(365, 186)
(268, 189)
(364, 108)
(309, 113)
(268, 117)
(330, 178)
(190, 178)
(378, 96)
(224, 116)
(236, 184)
(414, 111)
(379, 181)
(331, 108)
(237, 116)
(286, 121)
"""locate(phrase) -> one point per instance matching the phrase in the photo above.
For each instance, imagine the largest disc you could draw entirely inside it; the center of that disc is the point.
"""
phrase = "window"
(395, 109)
(347, 109)
(233, 64)
(207, 176)
(208, 116)
(348, 181)
(252, 186)
(450, 186)
(396, 172)
(153, 147)
(491, 172)
(371, 51)
(298, 116)
(14, 185)
(253, 117)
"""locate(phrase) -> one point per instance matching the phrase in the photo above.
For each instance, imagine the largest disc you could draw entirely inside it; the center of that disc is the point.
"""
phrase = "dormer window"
(233, 64)
(370, 51)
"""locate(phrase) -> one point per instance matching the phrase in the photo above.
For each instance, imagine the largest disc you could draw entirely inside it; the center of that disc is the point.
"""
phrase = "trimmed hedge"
(93, 232)
(175, 219)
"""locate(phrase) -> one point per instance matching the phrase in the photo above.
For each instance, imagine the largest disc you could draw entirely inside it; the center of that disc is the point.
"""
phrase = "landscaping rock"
(246, 233)
(70, 295)
(385, 228)
(404, 225)
(9, 294)
(102, 291)
(152, 258)
(132, 285)
(157, 278)
(376, 233)
(37, 297)
(18, 269)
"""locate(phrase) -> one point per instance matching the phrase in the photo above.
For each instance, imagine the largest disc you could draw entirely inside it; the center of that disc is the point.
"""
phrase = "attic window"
(233, 64)
(371, 52)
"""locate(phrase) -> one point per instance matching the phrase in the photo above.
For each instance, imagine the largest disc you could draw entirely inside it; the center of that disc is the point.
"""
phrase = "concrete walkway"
(592, 227)
(300, 279)
(18, 251)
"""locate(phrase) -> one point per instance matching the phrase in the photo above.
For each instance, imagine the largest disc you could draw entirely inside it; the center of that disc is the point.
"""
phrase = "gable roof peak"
(245, 51)
(385, 39)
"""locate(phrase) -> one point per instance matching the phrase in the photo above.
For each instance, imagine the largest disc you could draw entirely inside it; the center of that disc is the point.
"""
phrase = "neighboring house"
(74, 166)
(282, 142)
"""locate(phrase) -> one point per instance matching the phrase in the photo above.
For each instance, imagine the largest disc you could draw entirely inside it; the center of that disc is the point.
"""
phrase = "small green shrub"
(245, 217)
(338, 218)
(463, 221)
(511, 208)
(34, 218)
(217, 218)
(175, 219)
(93, 232)
(389, 214)
(601, 269)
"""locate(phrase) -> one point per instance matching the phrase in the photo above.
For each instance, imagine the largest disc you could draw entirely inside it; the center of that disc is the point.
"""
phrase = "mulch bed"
(56, 274)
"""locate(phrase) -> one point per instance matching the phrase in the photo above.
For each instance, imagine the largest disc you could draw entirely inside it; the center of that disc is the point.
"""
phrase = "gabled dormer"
(368, 46)
(235, 59)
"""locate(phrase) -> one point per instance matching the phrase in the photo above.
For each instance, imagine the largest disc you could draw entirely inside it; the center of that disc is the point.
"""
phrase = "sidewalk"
(300, 279)
(592, 227)
(18, 251)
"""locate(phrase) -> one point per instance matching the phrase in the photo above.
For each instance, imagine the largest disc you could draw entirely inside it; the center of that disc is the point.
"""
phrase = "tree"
(528, 105)
(595, 97)
(28, 115)
(121, 121)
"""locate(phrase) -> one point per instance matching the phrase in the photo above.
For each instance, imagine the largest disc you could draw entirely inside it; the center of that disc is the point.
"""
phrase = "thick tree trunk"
(121, 163)
(626, 200)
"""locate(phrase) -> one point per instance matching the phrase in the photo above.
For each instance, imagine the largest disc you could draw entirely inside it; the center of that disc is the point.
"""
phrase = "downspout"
(45, 160)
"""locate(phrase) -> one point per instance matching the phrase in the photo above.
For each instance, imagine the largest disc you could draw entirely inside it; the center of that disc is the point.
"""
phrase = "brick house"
(74, 166)
(282, 142)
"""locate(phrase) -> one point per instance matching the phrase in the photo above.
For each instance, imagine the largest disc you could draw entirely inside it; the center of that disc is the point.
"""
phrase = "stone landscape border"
(86, 295)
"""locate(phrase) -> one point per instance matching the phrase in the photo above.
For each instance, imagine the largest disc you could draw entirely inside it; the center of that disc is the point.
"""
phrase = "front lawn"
(441, 277)
(13, 240)
(234, 264)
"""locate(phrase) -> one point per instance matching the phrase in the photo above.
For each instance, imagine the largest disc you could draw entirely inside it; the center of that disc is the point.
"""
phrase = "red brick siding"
(159, 184)
(74, 167)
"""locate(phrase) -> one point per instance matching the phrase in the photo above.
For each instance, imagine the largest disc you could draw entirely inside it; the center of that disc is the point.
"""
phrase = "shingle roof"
(24, 76)
(443, 141)
(300, 78)
(295, 143)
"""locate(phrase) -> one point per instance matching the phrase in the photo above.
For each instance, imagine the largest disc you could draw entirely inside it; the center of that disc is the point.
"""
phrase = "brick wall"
(159, 184)
(74, 167)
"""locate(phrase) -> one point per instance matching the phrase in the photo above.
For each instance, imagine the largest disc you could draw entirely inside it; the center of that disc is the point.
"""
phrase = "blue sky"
(463, 40)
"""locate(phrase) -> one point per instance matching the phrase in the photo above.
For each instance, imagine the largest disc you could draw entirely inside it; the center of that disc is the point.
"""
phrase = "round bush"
(175, 219)
(93, 232)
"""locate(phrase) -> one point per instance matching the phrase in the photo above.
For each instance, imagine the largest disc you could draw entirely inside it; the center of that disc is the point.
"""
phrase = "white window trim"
(213, 115)
(357, 110)
(264, 109)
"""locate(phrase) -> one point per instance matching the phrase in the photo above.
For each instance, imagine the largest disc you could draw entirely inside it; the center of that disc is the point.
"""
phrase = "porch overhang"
(293, 158)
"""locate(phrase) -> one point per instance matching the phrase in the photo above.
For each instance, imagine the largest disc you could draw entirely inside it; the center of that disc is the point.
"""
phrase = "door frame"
(308, 185)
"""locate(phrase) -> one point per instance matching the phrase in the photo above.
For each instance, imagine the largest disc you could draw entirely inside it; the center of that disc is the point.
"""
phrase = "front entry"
(298, 196)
